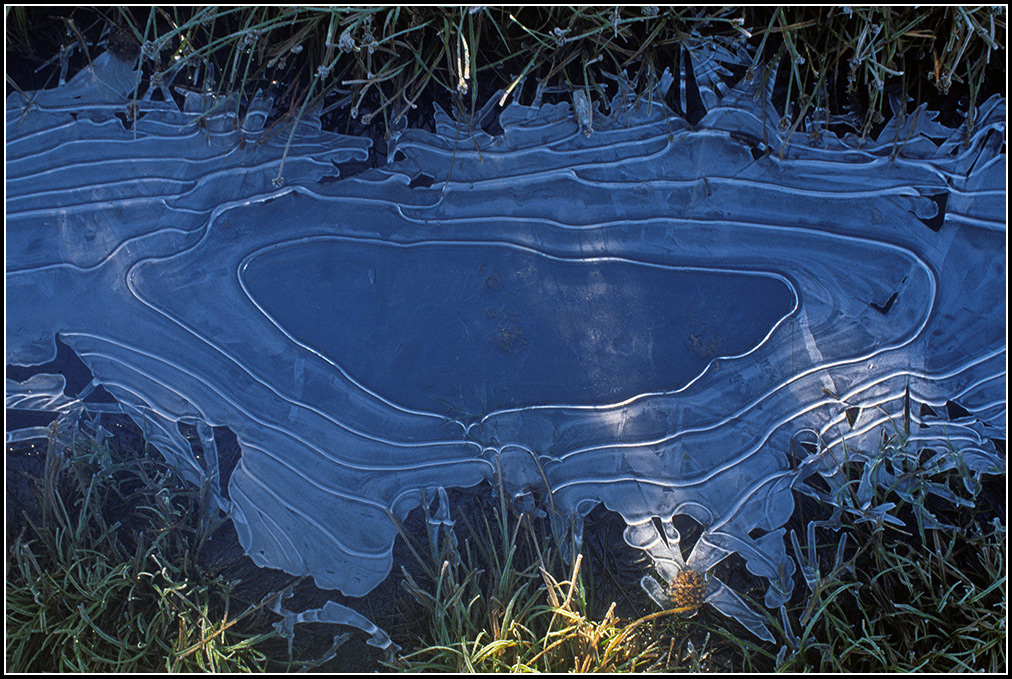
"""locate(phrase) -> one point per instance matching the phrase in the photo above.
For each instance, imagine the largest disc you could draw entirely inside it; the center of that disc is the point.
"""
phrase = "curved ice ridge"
(130, 239)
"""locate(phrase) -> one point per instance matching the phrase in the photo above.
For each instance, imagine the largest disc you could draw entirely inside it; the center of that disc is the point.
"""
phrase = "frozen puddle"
(664, 318)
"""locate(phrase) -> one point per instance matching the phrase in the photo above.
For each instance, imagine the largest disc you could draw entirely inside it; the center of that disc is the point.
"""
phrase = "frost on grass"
(666, 318)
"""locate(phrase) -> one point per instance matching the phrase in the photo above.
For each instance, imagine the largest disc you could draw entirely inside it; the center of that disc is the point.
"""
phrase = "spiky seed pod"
(687, 590)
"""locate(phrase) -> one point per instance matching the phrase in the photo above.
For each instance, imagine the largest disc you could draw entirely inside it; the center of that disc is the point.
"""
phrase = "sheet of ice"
(666, 318)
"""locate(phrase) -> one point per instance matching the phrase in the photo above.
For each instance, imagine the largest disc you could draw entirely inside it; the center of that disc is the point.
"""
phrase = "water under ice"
(653, 315)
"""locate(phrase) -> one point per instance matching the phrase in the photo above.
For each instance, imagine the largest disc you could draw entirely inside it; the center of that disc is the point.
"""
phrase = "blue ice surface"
(669, 319)
(472, 327)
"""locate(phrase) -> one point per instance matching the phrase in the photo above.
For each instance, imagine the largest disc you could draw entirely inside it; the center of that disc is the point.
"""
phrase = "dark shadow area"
(935, 223)
(65, 363)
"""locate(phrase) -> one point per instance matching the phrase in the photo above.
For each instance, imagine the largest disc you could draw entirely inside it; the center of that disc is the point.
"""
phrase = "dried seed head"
(687, 590)
(945, 83)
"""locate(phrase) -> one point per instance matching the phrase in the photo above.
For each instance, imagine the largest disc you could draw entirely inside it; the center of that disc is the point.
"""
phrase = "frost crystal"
(584, 112)
(347, 43)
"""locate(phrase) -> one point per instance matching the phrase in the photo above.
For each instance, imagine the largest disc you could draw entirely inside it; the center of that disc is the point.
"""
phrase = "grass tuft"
(898, 597)
(106, 577)
(377, 63)
(501, 600)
